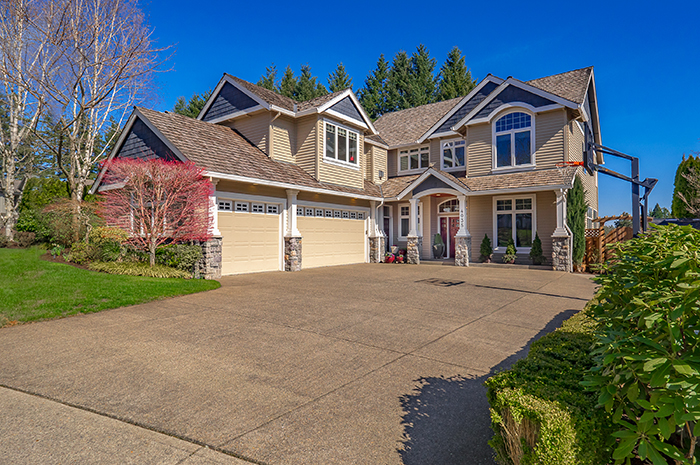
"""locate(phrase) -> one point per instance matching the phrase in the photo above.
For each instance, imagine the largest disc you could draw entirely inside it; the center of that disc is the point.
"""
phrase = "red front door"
(449, 226)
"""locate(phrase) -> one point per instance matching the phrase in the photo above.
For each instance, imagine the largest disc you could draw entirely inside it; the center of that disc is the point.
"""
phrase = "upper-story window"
(341, 144)
(453, 154)
(414, 158)
(513, 140)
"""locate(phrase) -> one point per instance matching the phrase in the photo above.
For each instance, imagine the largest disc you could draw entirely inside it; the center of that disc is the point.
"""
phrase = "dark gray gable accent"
(347, 107)
(229, 100)
(513, 94)
(431, 182)
(144, 144)
(467, 107)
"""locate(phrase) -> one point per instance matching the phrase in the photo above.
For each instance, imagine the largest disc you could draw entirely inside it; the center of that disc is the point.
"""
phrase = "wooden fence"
(597, 241)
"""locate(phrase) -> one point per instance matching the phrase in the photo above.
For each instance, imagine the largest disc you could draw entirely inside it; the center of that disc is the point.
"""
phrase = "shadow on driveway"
(444, 410)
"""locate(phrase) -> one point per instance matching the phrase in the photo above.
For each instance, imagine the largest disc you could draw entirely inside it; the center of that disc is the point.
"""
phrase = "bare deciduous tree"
(692, 203)
(25, 60)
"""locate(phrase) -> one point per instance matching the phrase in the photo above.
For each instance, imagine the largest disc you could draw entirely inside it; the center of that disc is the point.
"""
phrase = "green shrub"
(139, 269)
(486, 251)
(536, 254)
(108, 242)
(647, 361)
(511, 251)
(576, 210)
(438, 239)
(24, 239)
(180, 256)
(81, 253)
(540, 412)
(4, 242)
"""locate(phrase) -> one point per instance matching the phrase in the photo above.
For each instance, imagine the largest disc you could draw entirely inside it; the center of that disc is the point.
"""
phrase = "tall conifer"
(339, 79)
(455, 80)
(288, 84)
(268, 79)
(307, 87)
(373, 95)
(679, 209)
(422, 84)
(399, 83)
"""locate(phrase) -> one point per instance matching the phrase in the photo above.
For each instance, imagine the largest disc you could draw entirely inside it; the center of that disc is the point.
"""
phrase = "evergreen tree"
(307, 87)
(192, 107)
(288, 84)
(576, 209)
(373, 95)
(455, 80)
(339, 79)
(679, 209)
(660, 212)
(422, 84)
(268, 80)
(399, 83)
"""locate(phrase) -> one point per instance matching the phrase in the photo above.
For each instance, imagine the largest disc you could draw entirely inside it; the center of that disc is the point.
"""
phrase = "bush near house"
(540, 412)
(647, 359)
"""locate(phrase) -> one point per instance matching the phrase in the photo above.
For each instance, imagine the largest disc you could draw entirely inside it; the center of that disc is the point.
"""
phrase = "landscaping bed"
(33, 289)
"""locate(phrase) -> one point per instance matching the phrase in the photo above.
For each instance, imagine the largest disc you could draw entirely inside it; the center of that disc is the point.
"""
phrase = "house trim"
(513, 211)
(431, 172)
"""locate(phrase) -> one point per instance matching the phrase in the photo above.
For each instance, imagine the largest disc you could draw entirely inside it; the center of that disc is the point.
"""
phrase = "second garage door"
(251, 242)
(331, 241)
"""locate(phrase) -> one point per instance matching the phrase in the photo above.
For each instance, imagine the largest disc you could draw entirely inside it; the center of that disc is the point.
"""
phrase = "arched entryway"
(448, 224)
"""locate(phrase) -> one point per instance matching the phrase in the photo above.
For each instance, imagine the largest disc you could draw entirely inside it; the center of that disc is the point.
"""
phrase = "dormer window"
(341, 144)
(414, 158)
(453, 154)
(513, 141)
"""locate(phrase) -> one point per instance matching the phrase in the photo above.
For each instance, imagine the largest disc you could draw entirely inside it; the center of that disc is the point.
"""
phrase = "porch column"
(376, 251)
(561, 239)
(413, 240)
(292, 236)
(463, 240)
(214, 210)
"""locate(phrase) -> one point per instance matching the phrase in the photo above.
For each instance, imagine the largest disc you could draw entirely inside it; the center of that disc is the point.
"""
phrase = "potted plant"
(399, 259)
(389, 257)
(438, 246)
(536, 254)
(486, 250)
(510, 256)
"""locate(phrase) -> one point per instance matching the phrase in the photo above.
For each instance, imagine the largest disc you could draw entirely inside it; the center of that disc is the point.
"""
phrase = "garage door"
(251, 241)
(331, 241)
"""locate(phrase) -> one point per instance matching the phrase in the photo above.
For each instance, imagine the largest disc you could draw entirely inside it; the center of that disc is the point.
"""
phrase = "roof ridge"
(558, 74)
(424, 105)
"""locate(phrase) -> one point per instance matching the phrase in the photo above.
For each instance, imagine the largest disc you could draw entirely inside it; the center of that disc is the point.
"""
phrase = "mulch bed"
(49, 258)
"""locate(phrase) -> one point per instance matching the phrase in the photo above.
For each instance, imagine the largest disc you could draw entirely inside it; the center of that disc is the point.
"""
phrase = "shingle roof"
(224, 150)
(571, 85)
(406, 126)
(269, 96)
(318, 101)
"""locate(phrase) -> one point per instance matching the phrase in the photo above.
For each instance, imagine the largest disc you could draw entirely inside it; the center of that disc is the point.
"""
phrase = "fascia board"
(429, 133)
(346, 93)
(117, 147)
(247, 111)
(516, 190)
(161, 136)
(211, 98)
(284, 185)
(480, 106)
(344, 118)
(431, 172)
(378, 144)
(250, 94)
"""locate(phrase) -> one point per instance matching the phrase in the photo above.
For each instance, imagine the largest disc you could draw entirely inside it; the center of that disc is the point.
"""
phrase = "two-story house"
(317, 183)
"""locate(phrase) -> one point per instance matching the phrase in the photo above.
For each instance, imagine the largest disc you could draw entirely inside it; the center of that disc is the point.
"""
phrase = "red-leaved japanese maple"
(156, 201)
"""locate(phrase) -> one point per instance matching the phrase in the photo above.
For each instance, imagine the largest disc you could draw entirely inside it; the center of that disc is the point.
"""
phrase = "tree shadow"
(446, 420)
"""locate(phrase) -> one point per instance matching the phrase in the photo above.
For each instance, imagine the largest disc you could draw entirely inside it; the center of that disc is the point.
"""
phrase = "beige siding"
(428, 207)
(479, 151)
(379, 163)
(336, 174)
(307, 144)
(549, 138)
(576, 140)
(367, 167)
(255, 128)
(283, 139)
(479, 222)
(435, 153)
(546, 221)
(391, 163)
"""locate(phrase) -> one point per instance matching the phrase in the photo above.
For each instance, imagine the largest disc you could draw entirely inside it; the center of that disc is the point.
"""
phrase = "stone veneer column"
(413, 249)
(561, 239)
(463, 248)
(292, 254)
(376, 247)
(292, 236)
(209, 266)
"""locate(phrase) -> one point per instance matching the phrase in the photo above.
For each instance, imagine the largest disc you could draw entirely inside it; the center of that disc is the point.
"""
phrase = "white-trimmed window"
(337, 214)
(591, 215)
(225, 205)
(242, 206)
(272, 209)
(329, 213)
(453, 154)
(309, 212)
(414, 158)
(360, 215)
(405, 220)
(346, 214)
(514, 218)
(319, 212)
(258, 208)
(300, 211)
(513, 140)
(341, 144)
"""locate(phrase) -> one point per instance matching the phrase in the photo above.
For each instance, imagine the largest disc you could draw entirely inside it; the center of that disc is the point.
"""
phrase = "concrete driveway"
(366, 364)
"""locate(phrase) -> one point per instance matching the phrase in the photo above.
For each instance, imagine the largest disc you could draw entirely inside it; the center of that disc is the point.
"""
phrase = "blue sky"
(646, 57)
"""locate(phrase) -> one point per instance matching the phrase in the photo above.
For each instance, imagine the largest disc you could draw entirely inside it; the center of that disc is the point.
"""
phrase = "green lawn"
(33, 289)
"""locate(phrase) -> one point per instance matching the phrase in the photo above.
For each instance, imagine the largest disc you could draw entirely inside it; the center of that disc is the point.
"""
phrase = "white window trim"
(420, 220)
(533, 142)
(442, 152)
(253, 205)
(225, 202)
(520, 250)
(408, 149)
(335, 161)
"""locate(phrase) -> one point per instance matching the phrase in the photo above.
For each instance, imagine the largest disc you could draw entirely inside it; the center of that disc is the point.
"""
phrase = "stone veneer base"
(413, 250)
(561, 253)
(209, 266)
(463, 247)
(292, 254)
(376, 249)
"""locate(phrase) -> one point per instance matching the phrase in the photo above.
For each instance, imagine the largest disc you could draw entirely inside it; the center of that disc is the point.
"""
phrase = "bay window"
(514, 218)
(341, 144)
(513, 140)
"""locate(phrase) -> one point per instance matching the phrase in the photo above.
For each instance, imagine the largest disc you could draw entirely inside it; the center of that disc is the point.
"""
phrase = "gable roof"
(224, 152)
(268, 96)
(405, 127)
(571, 85)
